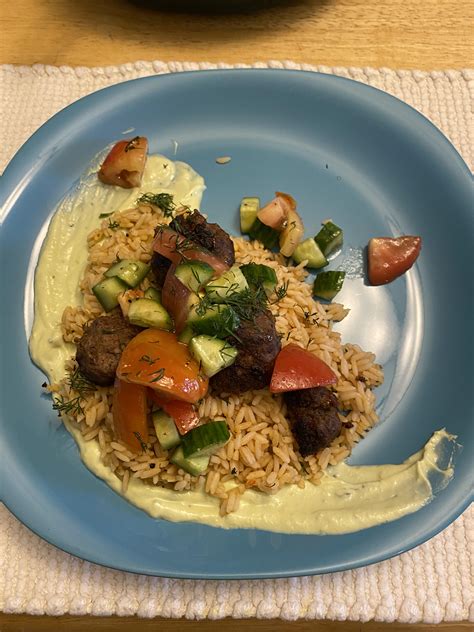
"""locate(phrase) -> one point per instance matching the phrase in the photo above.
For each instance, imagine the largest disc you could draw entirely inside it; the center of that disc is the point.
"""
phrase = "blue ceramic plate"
(344, 151)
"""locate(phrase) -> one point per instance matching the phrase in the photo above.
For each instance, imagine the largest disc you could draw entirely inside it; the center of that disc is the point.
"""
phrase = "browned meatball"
(258, 344)
(99, 350)
(209, 236)
(314, 417)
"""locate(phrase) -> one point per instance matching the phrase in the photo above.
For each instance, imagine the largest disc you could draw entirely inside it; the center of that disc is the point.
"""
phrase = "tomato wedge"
(125, 163)
(390, 257)
(129, 412)
(175, 299)
(178, 248)
(155, 358)
(184, 414)
(296, 369)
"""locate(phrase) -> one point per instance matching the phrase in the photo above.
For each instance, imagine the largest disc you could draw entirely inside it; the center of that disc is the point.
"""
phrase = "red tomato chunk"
(295, 369)
(390, 257)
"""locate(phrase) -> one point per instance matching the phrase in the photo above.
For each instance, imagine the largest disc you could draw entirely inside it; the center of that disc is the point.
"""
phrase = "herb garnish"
(158, 375)
(132, 144)
(113, 225)
(164, 201)
(104, 215)
(82, 386)
(281, 291)
(149, 360)
(142, 443)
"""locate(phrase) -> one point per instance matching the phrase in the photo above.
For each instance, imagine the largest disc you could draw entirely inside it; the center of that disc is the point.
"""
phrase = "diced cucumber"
(154, 294)
(249, 208)
(212, 354)
(329, 238)
(258, 274)
(128, 271)
(268, 236)
(230, 283)
(107, 291)
(217, 320)
(193, 465)
(186, 335)
(328, 284)
(205, 439)
(145, 312)
(166, 431)
(194, 274)
(309, 249)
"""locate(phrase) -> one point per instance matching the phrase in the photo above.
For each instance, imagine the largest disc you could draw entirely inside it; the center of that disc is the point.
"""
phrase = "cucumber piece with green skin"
(217, 320)
(165, 429)
(193, 465)
(309, 250)
(206, 439)
(212, 354)
(268, 236)
(194, 274)
(249, 207)
(228, 284)
(258, 275)
(328, 284)
(129, 271)
(154, 294)
(186, 335)
(107, 292)
(329, 238)
(145, 312)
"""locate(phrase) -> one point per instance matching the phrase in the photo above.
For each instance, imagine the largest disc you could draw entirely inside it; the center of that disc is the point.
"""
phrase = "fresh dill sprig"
(248, 303)
(68, 407)
(148, 359)
(141, 442)
(113, 225)
(132, 144)
(79, 384)
(227, 352)
(281, 291)
(164, 201)
(158, 375)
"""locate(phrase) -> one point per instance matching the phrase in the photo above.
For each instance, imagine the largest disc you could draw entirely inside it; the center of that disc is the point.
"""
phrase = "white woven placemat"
(432, 583)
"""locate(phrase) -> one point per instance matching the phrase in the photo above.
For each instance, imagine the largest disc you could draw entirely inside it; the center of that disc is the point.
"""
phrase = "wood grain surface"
(25, 623)
(424, 34)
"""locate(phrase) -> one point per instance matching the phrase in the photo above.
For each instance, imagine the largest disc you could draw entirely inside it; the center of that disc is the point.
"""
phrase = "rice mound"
(261, 453)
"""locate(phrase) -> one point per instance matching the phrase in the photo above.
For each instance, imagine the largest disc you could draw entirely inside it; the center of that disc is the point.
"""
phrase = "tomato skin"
(129, 412)
(175, 299)
(184, 414)
(390, 257)
(155, 358)
(167, 242)
(124, 164)
(296, 369)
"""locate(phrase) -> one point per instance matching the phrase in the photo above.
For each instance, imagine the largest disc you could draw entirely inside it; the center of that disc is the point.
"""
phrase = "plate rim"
(69, 110)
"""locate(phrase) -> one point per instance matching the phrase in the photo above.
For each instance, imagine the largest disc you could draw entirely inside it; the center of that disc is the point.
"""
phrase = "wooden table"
(423, 34)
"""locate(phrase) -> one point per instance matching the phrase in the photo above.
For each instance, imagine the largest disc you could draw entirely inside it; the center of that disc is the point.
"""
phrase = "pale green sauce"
(348, 499)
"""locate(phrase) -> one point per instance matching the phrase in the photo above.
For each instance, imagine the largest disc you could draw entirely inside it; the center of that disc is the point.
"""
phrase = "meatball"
(99, 350)
(258, 345)
(209, 236)
(314, 417)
